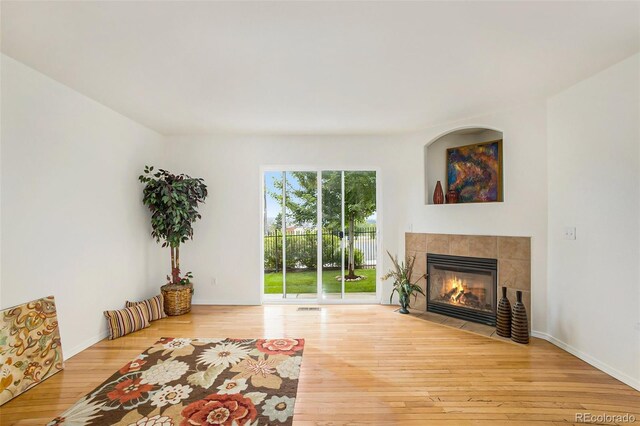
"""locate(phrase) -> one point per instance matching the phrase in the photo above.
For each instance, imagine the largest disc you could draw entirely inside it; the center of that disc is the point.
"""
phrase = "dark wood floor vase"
(519, 321)
(503, 316)
(366, 364)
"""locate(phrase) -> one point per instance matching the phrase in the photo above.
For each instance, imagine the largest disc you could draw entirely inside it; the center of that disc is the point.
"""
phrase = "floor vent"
(308, 309)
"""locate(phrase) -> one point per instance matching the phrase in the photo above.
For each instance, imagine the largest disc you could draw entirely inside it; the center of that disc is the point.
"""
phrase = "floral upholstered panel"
(190, 382)
(30, 348)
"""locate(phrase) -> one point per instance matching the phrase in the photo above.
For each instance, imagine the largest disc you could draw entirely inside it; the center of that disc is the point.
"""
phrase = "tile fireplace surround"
(513, 255)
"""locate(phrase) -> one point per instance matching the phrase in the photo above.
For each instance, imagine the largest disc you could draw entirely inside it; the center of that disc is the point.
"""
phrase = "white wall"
(524, 210)
(594, 176)
(73, 224)
(226, 243)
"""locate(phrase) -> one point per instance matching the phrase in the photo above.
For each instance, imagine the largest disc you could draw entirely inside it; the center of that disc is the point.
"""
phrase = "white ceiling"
(315, 67)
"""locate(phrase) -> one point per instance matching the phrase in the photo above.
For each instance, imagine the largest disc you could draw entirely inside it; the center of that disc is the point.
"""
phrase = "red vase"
(438, 195)
(452, 196)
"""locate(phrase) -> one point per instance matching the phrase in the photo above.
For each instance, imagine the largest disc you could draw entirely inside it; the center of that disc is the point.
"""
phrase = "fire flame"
(458, 286)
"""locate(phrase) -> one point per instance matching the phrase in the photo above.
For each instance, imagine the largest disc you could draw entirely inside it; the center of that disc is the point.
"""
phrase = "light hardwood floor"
(369, 364)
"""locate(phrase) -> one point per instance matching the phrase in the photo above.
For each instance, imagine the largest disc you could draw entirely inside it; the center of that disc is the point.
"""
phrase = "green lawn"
(305, 282)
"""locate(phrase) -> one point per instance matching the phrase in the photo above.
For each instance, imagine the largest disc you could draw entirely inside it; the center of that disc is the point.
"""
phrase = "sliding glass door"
(290, 235)
(320, 235)
(359, 216)
(332, 235)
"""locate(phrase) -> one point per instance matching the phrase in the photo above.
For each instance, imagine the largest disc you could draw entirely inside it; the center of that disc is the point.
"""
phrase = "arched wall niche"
(435, 153)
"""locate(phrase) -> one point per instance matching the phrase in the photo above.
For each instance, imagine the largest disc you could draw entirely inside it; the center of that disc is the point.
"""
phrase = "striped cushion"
(127, 320)
(155, 306)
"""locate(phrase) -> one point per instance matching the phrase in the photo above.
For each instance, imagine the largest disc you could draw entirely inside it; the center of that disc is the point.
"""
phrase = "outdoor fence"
(302, 246)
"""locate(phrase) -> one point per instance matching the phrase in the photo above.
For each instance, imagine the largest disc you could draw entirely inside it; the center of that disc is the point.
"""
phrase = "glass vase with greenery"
(173, 201)
(401, 275)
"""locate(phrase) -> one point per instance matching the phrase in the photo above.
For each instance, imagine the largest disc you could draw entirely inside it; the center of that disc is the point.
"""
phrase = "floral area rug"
(190, 382)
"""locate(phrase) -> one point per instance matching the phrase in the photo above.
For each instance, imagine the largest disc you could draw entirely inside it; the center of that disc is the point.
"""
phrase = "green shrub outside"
(302, 252)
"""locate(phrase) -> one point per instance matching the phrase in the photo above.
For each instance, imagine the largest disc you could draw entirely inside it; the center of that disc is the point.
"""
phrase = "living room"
(262, 100)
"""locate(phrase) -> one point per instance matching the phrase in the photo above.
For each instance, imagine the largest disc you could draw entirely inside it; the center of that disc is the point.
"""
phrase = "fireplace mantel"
(512, 253)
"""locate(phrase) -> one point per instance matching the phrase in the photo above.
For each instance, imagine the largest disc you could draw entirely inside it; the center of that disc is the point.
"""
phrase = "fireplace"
(462, 287)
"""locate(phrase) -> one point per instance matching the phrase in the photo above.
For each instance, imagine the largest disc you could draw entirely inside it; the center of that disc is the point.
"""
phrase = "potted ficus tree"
(173, 201)
(401, 275)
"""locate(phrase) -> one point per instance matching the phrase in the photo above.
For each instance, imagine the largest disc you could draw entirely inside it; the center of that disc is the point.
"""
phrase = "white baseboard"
(624, 378)
(68, 353)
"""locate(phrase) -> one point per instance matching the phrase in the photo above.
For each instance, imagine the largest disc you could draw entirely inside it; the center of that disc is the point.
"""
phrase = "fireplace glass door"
(462, 287)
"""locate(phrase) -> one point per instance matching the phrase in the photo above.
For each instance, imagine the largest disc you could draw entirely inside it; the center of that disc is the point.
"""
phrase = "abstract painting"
(475, 172)
(30, 348)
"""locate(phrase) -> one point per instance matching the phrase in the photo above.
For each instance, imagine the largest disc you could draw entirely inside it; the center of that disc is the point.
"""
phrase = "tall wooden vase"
(519, 321)
(438, 194)
(503, 318)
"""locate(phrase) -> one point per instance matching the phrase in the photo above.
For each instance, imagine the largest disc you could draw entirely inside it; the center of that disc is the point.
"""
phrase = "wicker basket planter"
(177, 298)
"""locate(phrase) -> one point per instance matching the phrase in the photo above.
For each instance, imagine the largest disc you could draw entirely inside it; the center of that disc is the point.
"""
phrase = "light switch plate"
(569, 233)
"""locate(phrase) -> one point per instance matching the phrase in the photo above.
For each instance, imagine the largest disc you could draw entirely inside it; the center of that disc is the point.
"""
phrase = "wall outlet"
(569, 233)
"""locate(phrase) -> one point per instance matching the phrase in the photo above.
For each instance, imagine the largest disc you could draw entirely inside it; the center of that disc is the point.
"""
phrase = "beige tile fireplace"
(513, 255)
